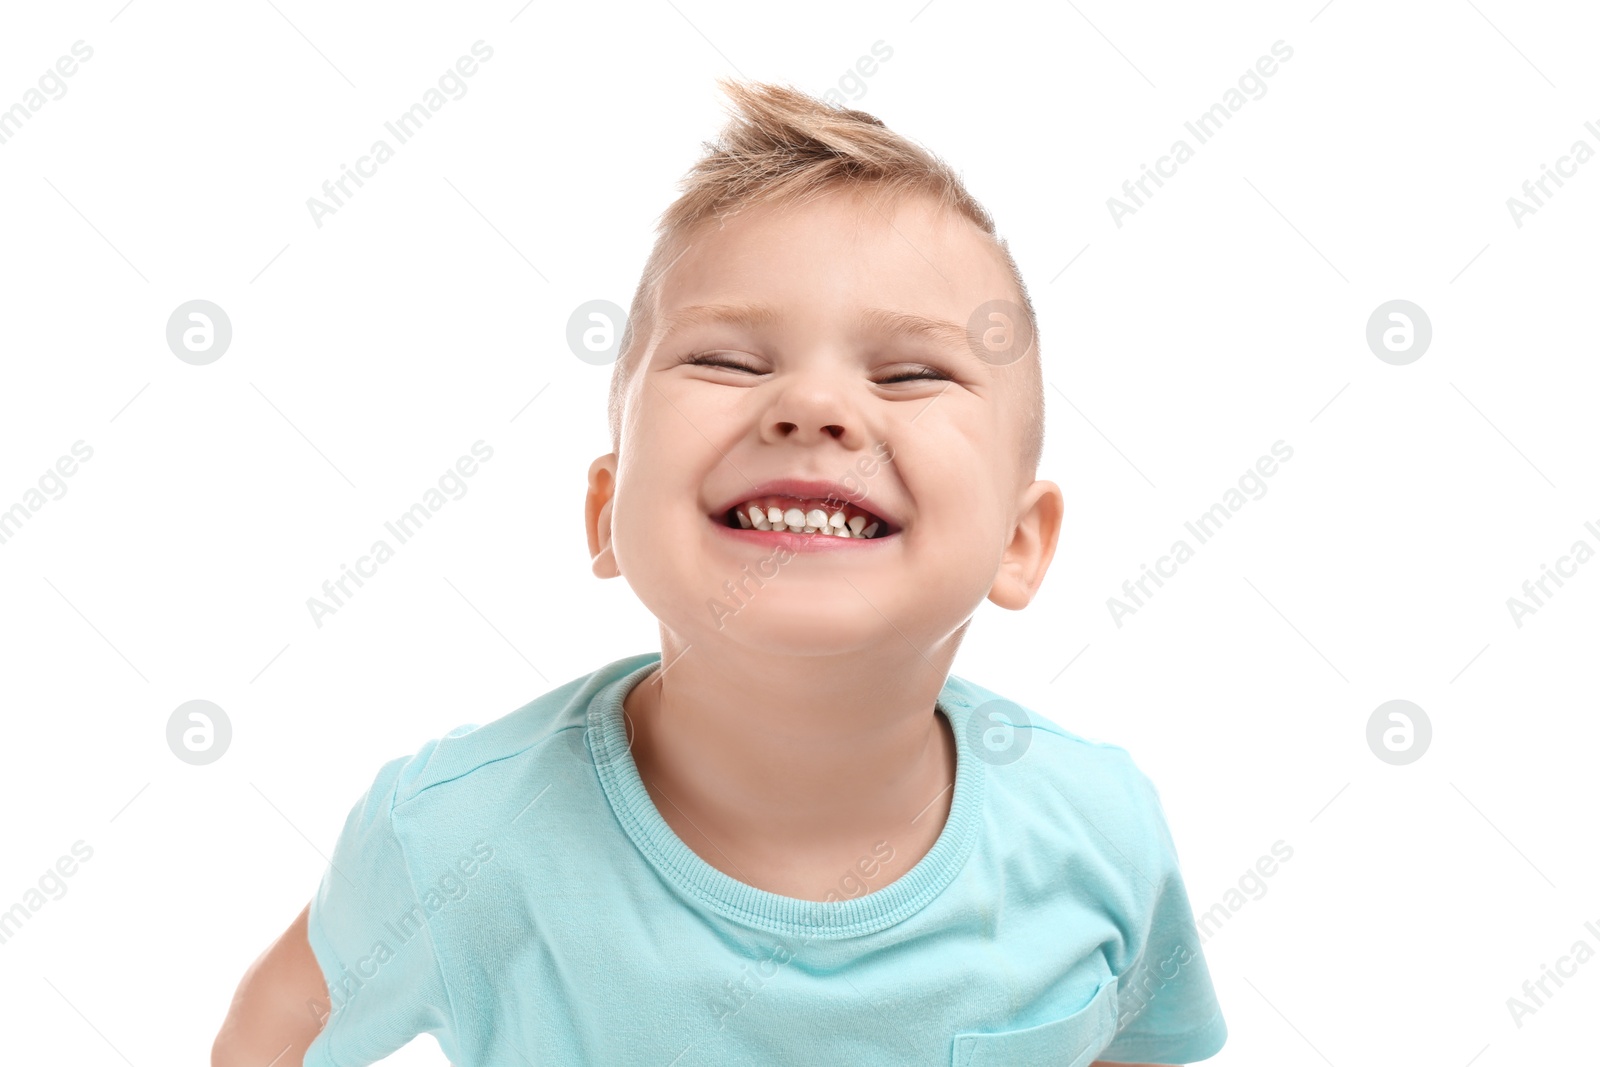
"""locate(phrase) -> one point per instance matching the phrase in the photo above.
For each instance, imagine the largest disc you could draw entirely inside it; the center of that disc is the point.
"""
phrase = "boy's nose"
(810, 411)
(815, 405)
(789, 429)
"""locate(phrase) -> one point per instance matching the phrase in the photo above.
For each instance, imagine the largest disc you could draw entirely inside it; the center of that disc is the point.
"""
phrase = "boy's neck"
(777, 769)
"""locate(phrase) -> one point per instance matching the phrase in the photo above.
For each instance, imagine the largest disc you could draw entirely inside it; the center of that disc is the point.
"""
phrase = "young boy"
(792, 837)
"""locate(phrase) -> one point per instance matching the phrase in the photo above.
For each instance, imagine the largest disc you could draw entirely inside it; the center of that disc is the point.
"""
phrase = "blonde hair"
(782, 146)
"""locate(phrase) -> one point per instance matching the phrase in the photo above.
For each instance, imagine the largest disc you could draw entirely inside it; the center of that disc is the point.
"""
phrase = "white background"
(1226, 314)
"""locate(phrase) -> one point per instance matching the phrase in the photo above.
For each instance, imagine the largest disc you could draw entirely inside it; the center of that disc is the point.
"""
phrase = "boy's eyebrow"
(906, 324)
(879, 321)
(746, 315)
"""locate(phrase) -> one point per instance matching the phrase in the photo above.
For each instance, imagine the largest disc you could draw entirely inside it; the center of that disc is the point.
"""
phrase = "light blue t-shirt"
(513, 890)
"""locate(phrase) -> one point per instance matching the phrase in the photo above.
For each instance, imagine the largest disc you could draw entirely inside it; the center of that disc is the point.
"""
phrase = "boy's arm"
(274, 1017)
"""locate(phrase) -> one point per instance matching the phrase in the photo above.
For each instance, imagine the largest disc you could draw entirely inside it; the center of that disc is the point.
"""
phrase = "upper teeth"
(779, 514)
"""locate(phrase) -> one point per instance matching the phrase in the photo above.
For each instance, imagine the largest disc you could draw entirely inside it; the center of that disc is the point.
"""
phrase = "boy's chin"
(785, 634)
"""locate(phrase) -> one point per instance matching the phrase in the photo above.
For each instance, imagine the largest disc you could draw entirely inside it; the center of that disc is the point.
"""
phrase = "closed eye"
(918, 373)
(715, 359)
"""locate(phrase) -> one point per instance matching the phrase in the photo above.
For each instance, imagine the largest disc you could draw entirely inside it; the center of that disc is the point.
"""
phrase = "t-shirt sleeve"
(1167, 1010)
(370, 937)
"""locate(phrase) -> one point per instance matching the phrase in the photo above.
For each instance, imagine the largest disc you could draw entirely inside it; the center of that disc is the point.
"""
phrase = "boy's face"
(812, 384)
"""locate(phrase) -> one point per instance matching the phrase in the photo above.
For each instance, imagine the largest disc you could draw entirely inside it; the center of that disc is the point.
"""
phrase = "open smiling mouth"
(818, 516)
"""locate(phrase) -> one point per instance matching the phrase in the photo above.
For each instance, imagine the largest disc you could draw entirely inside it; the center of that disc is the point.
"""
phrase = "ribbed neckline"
(773, 912)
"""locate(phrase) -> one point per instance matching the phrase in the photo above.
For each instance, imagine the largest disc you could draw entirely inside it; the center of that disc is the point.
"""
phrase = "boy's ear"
(1031, 548)
(597, 515)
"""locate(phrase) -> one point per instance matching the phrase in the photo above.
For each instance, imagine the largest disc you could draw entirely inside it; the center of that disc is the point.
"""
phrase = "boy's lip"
(805, 489)
(799, 542)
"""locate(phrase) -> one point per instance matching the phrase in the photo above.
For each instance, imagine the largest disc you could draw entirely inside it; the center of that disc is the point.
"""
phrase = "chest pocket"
(1071, 1042)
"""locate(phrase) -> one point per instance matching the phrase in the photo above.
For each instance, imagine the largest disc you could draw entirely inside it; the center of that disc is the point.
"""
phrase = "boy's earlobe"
(1032, 546)
(597, 515)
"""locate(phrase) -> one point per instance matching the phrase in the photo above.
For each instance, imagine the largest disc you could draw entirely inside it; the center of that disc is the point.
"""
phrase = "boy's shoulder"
(1036, 762)
(552, 725)
(1003, 731)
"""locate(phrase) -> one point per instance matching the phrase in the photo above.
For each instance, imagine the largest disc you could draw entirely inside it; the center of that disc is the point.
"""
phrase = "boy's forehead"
(850, 251)
(874, 321)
